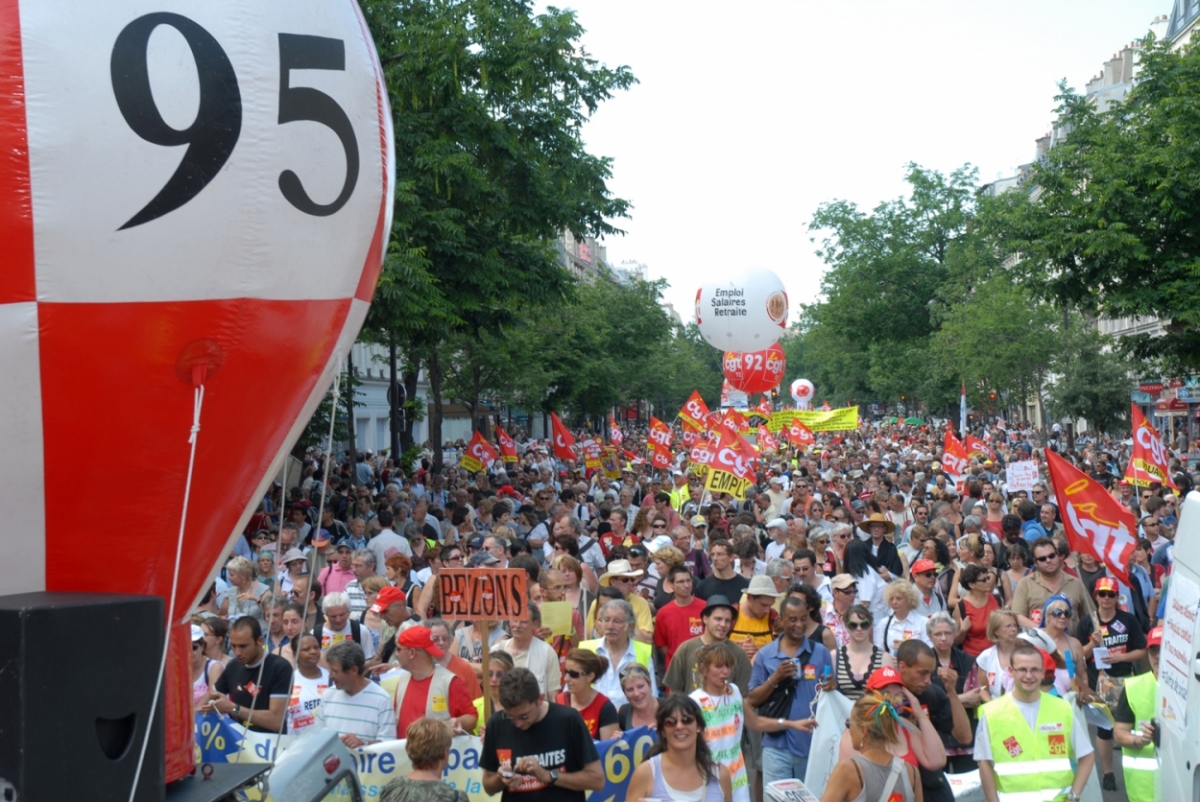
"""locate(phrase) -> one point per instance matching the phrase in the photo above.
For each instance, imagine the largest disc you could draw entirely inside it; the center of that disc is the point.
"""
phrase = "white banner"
(1021, 476)
(1179, 644)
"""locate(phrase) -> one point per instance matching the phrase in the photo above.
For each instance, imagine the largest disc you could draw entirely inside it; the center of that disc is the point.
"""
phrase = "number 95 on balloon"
(249, 137)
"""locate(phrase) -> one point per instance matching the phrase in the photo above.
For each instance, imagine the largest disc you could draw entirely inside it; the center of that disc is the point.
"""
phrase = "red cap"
(386, 598)
(1155, 637)
(1122, 483)
(921, 566)
(1106, 583)
(418, 638)
(883, 677)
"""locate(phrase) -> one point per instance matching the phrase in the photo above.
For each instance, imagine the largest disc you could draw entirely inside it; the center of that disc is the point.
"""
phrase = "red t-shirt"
(412, 707)
(674, 624)
(594, 715)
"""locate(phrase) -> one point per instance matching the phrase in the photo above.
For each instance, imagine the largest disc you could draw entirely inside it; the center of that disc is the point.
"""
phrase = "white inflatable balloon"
(802, 393)
(746, 313)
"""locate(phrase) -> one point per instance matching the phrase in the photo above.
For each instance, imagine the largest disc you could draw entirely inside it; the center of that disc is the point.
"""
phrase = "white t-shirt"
(891, 631)
(1081, 745)
(330, 637)
(775, 550)
(368, 714)
(305, 699)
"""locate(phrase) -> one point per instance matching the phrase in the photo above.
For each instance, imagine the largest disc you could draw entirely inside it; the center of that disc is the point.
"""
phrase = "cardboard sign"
(1022, 476)
(483, 594)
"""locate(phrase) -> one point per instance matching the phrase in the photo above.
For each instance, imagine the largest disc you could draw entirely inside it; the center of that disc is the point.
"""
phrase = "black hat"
(714, 602)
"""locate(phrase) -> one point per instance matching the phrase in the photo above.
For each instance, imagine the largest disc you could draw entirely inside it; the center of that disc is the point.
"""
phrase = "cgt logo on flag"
(1095, 522)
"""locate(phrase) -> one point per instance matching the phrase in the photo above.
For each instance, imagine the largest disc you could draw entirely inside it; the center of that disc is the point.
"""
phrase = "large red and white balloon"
(746, 313)
(188, 192)
(755, 371)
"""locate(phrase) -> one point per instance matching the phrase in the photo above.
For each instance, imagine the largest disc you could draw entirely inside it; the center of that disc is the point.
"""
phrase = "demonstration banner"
(1095, 522)
(659, 434)
(220, 740)
(1148, 463)
(660, 457)
(844, 419)
(591, 453)
(732, 467)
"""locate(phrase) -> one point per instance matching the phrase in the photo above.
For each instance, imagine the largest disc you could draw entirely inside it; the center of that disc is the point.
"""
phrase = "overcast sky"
(749, 115)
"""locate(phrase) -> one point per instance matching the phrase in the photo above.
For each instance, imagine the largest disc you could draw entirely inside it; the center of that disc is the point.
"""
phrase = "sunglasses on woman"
(573, 674)
(853, 625)
(684, 720)
(1059, 613)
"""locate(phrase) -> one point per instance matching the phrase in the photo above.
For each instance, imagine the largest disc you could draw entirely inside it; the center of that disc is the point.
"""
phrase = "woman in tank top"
(205, 670)
(874, 774)
(859, 658)
(680, 767)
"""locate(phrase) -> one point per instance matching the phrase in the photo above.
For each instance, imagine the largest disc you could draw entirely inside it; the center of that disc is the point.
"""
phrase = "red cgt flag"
(800, 434)
(976, 446)
(660, 433)
(1148, 463)
(765, 441)
(508, 449)
(615, 434)
(694, 410)
(660, 457)
(479, 453)
(562, 439)
(1095, 522)
(954, 454)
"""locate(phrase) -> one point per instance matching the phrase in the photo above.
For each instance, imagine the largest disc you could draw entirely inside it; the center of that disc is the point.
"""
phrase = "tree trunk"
(476, 381)
(412, 375)
(394, 404)
(435, 419)
(348, 391)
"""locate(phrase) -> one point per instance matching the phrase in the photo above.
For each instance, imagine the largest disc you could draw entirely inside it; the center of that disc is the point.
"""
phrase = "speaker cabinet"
(77, 674)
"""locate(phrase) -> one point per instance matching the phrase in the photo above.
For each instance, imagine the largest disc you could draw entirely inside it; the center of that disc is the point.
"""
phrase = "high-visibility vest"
(642, 652)
(679, 497)
(1031, 765)
(1140, 765)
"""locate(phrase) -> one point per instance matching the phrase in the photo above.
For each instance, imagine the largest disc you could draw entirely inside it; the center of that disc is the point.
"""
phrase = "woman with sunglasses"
(205, 670)
(856, 660)
(583, 666)
(995, 515)
(972, 612)
(1124, 640)
(680, 765)
(499, 664)
(641, 707)
(309, 681)
(1056, 618)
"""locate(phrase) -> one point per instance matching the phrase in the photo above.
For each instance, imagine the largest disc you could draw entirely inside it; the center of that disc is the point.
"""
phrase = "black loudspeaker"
(77, 674)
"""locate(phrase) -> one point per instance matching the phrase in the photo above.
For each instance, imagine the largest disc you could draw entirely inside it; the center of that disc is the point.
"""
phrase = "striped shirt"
(367, 714)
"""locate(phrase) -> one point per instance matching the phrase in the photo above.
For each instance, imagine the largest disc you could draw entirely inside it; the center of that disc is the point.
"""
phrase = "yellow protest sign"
(844, 419)
(719, 481)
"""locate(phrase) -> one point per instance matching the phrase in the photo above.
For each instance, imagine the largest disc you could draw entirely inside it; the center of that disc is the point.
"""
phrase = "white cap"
(776, 523)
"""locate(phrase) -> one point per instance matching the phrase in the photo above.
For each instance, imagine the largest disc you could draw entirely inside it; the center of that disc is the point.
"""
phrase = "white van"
(1178, 717)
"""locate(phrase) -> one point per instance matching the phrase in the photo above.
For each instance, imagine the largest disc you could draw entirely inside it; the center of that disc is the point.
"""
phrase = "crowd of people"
(951, 611)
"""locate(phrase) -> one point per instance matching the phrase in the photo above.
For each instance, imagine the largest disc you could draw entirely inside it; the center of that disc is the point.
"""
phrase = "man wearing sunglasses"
(1047, 579)
(1114, 641)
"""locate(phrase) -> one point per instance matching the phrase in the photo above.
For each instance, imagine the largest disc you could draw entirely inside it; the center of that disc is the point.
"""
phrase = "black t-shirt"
(729, 588)
(1124, 713)
(1121, 634)
(936, 704)
(559, 741)
(240, 683)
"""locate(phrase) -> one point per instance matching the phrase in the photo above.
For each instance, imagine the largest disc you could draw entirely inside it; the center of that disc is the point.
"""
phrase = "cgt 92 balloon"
(746, 313)
(755, 371)
(190, 193)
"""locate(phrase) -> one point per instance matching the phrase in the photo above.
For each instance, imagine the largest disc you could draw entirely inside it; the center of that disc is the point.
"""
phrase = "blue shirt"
(765, 662)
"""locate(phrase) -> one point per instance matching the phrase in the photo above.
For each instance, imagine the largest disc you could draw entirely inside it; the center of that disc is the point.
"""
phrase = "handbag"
(779, 703)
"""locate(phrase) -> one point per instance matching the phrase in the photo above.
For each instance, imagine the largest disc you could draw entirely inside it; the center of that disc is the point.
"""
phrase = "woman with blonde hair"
(995, 676)
(577, 594)
(874, 774)
(245, 595)
(903, 622)
(643, 523)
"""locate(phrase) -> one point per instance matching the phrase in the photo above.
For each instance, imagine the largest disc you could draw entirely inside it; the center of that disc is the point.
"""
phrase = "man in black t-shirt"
(916, 663)
(260, 702)
(535, 750)
(1120, 633)
(724, 580)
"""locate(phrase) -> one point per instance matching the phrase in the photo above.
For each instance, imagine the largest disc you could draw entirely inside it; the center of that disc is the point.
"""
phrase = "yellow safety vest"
(1031, 766)
(642, 652)
(679, 497)
(1140, 765)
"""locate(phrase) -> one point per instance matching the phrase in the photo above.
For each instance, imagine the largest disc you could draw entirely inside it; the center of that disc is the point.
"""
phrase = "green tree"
(488, 102)
(1093, 380)
(1111, 226)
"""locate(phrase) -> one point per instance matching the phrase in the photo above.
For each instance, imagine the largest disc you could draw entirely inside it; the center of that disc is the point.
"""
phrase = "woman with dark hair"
(680, 764)
(974, 609)
(857, 660)
(583, 667)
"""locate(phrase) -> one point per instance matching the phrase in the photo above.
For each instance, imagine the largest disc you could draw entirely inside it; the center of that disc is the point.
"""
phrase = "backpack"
(355, 631)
